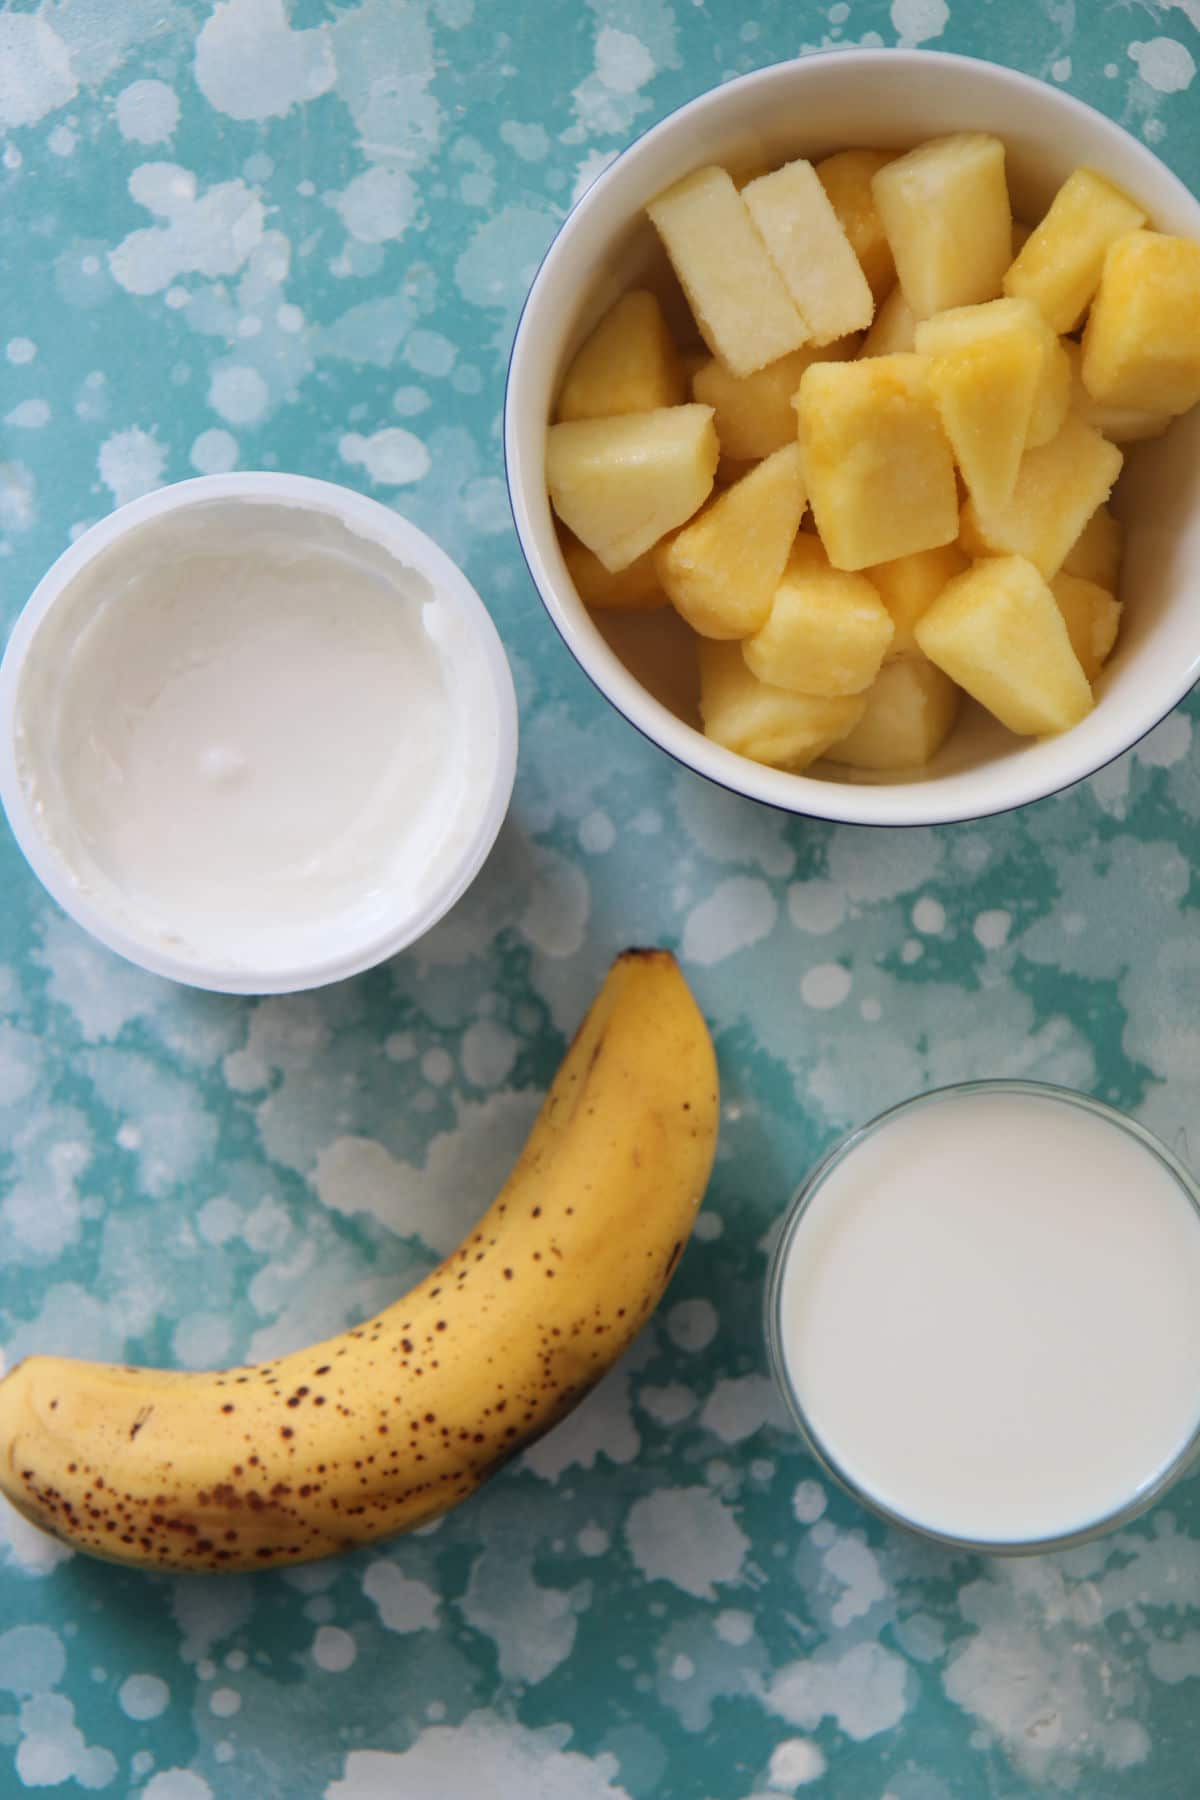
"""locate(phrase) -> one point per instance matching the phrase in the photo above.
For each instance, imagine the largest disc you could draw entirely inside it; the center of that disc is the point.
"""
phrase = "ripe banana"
(394, 1422)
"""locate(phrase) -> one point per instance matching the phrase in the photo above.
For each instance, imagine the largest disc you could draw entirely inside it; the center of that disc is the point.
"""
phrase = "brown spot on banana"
(180, 1490)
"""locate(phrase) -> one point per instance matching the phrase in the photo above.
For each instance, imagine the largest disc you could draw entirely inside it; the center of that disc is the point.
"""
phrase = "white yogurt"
(248, 734)
(988, 1315)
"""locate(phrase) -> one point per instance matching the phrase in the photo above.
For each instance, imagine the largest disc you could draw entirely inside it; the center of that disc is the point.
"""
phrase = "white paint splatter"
(250, 64)
(143, 1696)
(131, 463)
(602, 1425)
(333, 1649)
(1164, 64)
(929, 916)
(403, 1605)
(392, 457)
(239, 394)
(447, 1760)
(667, 1405)
(357, 1175)
(740, 911)
(825, 986)
(809, 1501)
(489, 1051)
(30, 415)
(176, 1784)
(147, 112)
(854, 1566)
(214, 452)
(36, 76)
(916, 21)
(866, 1689)
(991, 928)
(686, 1536)
(379, 205)
(208, 234)
(556, 913)
(740, 1405)
(692, 1324)
(532, 1626)
(794, 1763)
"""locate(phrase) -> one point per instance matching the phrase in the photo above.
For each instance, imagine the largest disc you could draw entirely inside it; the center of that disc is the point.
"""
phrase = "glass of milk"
(983, 1311)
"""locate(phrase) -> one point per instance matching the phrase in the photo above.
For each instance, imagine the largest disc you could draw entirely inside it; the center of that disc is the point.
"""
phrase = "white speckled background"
(258, 235)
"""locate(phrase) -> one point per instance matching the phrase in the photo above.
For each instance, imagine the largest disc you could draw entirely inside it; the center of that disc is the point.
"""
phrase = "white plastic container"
(257, 732)
(812, 107)
(983, 1312)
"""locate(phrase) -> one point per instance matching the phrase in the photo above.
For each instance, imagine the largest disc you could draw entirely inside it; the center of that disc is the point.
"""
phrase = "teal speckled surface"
(298, 236)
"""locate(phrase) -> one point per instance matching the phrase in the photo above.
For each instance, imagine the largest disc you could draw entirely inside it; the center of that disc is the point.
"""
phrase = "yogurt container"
(257, 732)
(983, 1311)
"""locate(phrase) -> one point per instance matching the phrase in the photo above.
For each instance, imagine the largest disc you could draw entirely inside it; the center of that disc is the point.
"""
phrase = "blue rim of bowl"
(951, 60)
(793, 1217)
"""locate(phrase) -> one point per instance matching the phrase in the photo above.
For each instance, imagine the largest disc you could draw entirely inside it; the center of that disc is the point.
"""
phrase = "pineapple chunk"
(1053, 395)
(721, 571)
(911, 709)
(879, 470)
(1059, 487)
(629, 364)
(998, 632)
(846, 178)
(946, 213)
(984, 370)
(827, 633)
(621, 484)
(909, 586)
(1092, 617)
(741, 305)
(632, 589)
(767, 724)
(894, 329)
(1141, 348)
(1119, 424)
(754, 412)
(1096, 552)
(805, 241)
(1058, 267)
(966, 327)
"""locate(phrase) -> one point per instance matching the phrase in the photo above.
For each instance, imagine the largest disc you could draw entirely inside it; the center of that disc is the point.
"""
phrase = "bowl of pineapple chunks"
(853, 439)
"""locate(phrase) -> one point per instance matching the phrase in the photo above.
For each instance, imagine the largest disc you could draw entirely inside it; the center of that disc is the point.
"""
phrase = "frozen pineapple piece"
(846, 178)
(721, 571)
(894, 329)
(736, 293)
(879, 470)
(805, 241)
(1058, 267)
(1141, 348)
(1092, 617)
(945, 210)
(911, 709)
(767, 724)
(1059, 487)
(629, 364)
(908, 587)
(1053, 395)
(621, 484)
(1096, 552)
(984, 370)
(828, 631)
(754, 412)
(966, 327)
(635, 588)
(1119, 424)
(998, 632)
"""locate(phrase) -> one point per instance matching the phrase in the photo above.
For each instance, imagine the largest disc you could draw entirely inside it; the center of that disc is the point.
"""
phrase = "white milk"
(248, 730)
(989, 1315)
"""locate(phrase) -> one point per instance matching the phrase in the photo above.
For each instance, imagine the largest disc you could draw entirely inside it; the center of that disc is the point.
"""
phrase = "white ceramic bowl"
(337, 528)
(891, 99)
